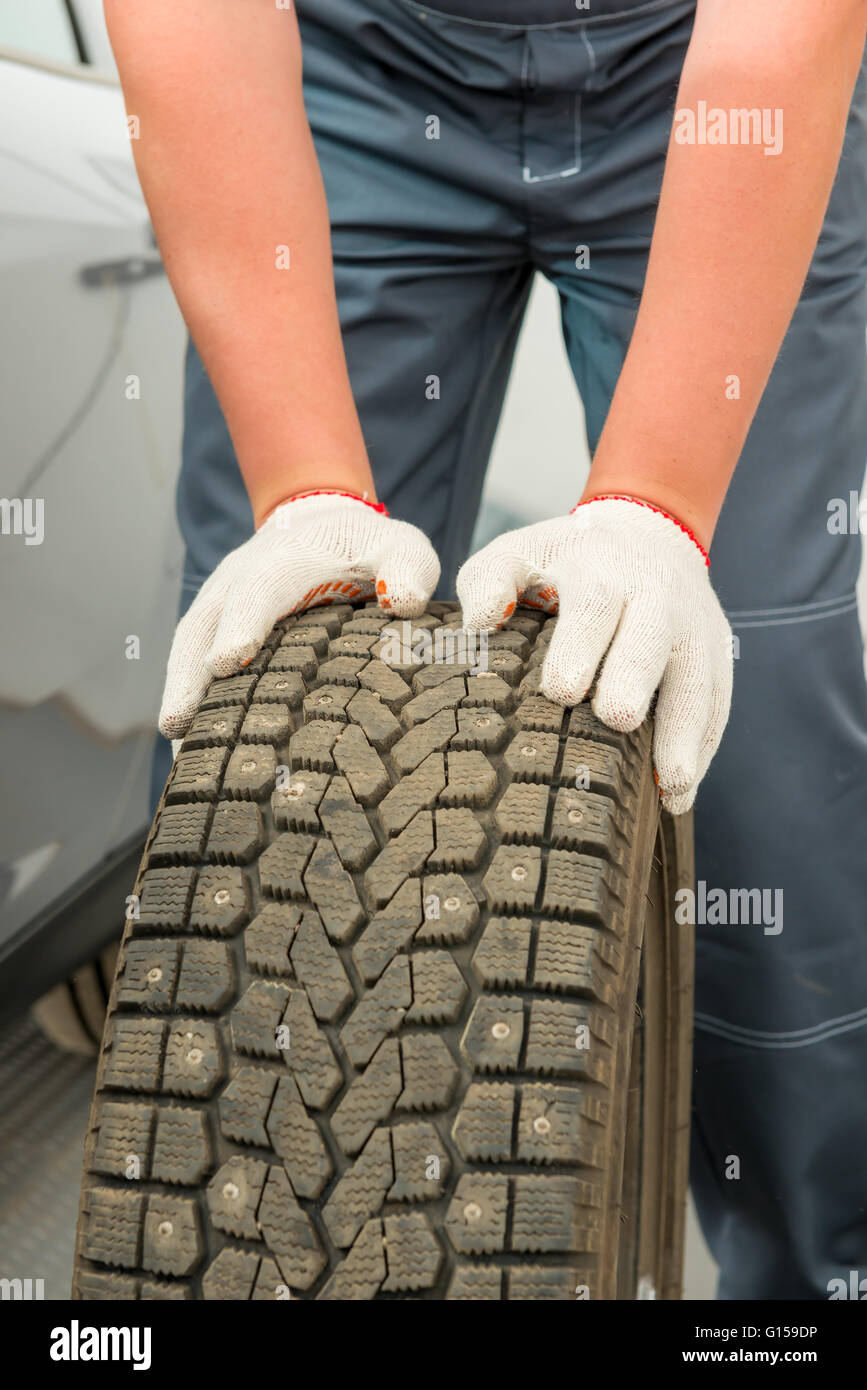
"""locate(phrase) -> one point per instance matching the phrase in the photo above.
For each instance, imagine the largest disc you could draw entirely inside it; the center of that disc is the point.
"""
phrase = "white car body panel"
(90, 405)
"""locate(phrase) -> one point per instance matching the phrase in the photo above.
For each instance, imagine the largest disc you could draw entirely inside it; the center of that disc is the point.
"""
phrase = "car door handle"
(129, 271)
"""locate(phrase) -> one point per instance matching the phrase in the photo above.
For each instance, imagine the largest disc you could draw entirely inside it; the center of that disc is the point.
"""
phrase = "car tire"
(72, 1014)
(402, 1009)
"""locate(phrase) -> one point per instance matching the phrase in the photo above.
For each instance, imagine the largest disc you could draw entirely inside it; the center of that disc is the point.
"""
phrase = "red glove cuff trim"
(335, 492)
(618, 497)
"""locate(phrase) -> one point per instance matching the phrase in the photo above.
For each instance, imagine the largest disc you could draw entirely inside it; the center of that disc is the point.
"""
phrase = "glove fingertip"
(620, 710)
(564, 683)
(488, 595)
(173, 723)
(230, 659)
(488, 616)
(676, 777)
(402, 599)
(678, 803)
(406, 606)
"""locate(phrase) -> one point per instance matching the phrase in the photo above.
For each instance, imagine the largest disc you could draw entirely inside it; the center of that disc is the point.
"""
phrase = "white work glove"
(313, 550)
(633, 588)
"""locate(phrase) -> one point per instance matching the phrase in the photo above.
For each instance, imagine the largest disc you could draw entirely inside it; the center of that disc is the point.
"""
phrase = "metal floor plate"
(44, 1102)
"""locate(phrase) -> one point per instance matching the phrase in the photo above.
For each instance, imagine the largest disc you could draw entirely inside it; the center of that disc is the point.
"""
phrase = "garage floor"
(46, 1095)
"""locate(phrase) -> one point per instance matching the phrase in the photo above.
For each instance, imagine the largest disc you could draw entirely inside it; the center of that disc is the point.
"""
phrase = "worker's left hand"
(636, 604)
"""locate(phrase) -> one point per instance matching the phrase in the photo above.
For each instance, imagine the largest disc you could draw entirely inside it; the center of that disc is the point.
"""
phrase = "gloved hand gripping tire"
(312, 550)
(635, 600)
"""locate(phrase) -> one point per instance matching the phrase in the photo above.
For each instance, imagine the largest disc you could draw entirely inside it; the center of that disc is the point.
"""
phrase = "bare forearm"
(734, 236)
(228, 168)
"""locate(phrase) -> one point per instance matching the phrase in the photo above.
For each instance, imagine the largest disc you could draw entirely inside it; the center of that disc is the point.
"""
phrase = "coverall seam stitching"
(785, 608)
(848, 607)
(783, 1040)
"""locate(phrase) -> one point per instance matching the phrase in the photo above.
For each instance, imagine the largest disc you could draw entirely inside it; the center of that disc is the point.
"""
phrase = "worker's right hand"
(313, 549)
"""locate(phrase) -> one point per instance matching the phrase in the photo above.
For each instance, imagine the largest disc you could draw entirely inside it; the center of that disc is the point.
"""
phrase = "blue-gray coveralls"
(552, 126)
